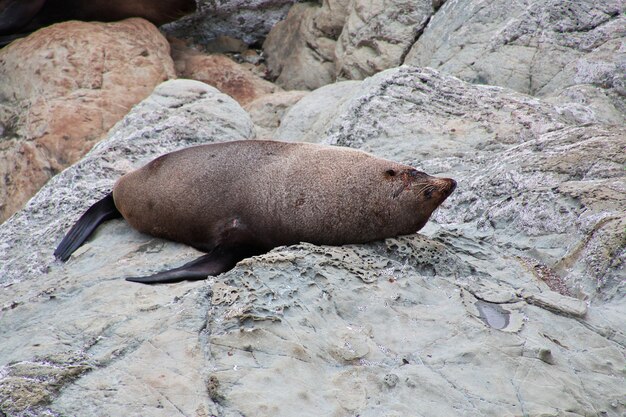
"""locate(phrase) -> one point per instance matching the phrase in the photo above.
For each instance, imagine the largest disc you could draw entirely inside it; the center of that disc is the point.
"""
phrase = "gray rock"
(529, 177)
(268, 111)
(457, 320)
(318, 44)
(306, 119)
(378, 34)
(537, 47)
(299, 54)
(249, 21)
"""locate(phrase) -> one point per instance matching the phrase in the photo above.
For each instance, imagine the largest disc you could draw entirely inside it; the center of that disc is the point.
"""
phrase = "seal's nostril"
(452, 185)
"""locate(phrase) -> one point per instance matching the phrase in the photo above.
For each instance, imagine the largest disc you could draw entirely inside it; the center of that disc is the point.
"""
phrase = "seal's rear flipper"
(100, 212)
(219, 260)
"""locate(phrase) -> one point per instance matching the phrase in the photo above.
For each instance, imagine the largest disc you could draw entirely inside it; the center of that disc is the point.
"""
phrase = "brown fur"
(266, 194)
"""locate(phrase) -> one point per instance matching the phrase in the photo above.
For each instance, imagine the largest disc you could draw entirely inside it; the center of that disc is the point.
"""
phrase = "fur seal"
(242, 198)
(18, 18)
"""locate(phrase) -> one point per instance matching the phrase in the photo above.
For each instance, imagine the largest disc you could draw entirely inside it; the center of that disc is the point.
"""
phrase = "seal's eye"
(390, 172)
(428, 192)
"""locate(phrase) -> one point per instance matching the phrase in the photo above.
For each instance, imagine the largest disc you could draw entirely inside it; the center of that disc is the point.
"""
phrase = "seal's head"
(416, 193)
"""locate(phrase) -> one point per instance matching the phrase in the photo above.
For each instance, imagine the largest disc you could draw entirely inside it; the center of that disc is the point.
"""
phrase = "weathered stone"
(378, 34)
(312, 114)
(267, 111)
(557, 303)
(222, 73)
(316, 45)
(400, 327)
(58, 98)
(538, 48)
(246, 20)
(299, 55)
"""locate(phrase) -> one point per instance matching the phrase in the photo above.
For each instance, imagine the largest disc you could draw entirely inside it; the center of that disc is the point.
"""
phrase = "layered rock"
(543, 190)
(248, 21)
(316, 45)
(512, 294)
(538, 48)
(62, 88)
(221, 72)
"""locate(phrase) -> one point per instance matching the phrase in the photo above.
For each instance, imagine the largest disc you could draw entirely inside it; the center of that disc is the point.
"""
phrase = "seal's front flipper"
(221, 259)
(100, 212)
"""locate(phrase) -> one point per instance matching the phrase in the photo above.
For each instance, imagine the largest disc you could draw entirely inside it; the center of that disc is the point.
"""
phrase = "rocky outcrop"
(222, 73)
(538, 48)
(268, 111)
(545, 160)
(59, 97)
(316, 45)
(512, 294)
(569, 52)
(377, 35)
(299, 56)
(246, 20)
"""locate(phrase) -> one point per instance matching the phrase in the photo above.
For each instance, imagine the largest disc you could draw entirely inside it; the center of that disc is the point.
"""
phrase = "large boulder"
(246, 20)
(512, 295)
(62, 89)
(299, 55)
(318, 44)
(540, 48)
(268, 111)
(378, 34)
(535, 174)
(221, 72)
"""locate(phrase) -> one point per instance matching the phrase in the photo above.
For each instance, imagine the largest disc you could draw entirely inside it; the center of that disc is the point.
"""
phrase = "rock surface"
(246, 20)
(510, 297)
(222, 73)
(268, 111)
(318, 44)
(378, 34)
(58, 98)
(535, 47)
(299, 55)
(571, 52)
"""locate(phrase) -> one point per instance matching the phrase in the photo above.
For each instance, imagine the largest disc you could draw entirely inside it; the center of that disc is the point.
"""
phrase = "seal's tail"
(100, 212)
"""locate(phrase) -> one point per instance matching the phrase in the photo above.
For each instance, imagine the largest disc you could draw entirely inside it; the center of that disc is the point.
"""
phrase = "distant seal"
(20, 17)
(241, 198)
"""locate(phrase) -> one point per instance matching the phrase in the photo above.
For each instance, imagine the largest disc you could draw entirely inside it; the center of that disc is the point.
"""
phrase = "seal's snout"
(452, 185)
(448, 186)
